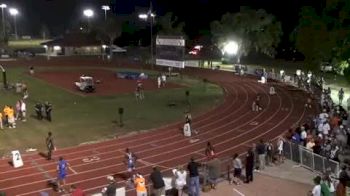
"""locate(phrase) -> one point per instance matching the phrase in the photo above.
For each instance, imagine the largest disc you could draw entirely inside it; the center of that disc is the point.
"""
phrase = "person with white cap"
(110, 190)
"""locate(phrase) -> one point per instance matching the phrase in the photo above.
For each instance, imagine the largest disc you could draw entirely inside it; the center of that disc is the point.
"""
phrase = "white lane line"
(72, 170)
(238, 192)
(197, 151)
(220, 142)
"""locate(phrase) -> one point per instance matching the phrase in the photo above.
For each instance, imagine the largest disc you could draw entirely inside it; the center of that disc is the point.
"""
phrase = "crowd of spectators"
(325, 134)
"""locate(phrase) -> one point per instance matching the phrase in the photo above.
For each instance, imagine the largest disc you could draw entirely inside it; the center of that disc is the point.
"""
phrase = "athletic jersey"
(140, 184)
(130, 158)
(62, 167)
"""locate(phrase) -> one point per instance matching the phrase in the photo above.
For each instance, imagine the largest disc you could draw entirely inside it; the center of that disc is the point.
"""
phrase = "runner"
(130, 162)
(210, 151)
(62, 167)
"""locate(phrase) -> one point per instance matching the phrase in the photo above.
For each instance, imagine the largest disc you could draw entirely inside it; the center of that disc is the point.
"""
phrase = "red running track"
(230, 127)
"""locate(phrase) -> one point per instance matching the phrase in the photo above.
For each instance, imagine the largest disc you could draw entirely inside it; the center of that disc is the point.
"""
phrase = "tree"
(169, 25)
(252, 30)
(110, 30)
(323, 35)
(4, 39)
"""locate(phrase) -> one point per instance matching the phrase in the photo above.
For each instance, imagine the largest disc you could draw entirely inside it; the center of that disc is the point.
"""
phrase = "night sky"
(60, 15)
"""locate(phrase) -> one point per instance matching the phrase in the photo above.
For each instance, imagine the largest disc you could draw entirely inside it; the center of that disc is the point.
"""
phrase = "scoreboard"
(170, 51)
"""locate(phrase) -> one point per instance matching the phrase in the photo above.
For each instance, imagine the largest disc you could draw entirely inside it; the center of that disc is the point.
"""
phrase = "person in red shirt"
(75, 191)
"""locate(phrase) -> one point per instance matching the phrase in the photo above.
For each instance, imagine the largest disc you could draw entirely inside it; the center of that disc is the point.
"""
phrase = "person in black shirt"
(110, 190)
(158, 182)
(249, 166)
(50, 145)
(194, 177)
(48, 109)
(261, 151)
(38, 110)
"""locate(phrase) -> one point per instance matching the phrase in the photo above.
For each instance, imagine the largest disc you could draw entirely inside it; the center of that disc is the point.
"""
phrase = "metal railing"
(307, 159)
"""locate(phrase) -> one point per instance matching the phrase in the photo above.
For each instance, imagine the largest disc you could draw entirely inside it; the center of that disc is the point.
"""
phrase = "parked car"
(326, 67)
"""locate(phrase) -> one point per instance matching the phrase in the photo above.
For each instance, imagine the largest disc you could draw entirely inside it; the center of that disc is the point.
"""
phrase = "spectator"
(50, 145)
(163, 78)
(269, 153)
(310, 144)
(76, 191)
(325, 128)
(237, 169)
(11, 118)
(316, 191)
(194, 177)
(261, 150)
(209, 151)
(341, 95)
(303, 136)
(343, 180)
(159, 81)
(249, 166)
(214, 169)
(48, 110)
(38, 111)
(334, 153)
(158, 182)
(180, 179)
(110, 190)
(296, 138)
(23, 110)
(324, 187)
(1, 124)
(317, 148)
(280, 144)
(18, 110)
(140, 184)
(329, 183)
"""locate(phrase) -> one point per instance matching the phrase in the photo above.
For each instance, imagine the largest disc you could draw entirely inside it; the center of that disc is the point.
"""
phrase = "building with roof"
(74, 44)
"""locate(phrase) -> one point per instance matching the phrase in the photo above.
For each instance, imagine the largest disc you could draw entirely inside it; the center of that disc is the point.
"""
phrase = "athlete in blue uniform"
(62, 167)
(130, 162)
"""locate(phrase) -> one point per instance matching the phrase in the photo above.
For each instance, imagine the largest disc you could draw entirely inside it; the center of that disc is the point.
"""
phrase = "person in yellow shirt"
(11, 118)
(140, 184)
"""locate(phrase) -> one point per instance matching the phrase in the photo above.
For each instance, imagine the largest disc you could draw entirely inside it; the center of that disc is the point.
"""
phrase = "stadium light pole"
(89, 13)
(231, 48)
(3, 6)
(106, 8)
(145, 16)
(14, 13)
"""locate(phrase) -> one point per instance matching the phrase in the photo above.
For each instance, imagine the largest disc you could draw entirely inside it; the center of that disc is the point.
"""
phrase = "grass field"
(78, 119)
